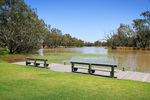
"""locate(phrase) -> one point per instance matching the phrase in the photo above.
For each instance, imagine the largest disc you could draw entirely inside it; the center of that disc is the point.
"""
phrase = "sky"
(89, 20)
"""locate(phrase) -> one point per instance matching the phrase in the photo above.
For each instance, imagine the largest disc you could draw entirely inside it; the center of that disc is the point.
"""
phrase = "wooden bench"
(35, 63)
(92, 70)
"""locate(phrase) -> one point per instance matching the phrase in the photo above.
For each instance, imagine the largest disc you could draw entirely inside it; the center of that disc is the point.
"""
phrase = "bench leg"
(35, 63)
(112, 72)
(44, 64)
(26, 62)
(89, 71)
(72, 65)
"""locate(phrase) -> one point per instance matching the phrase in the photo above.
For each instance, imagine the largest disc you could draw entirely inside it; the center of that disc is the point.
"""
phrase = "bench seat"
(92, 70)
(35, 63)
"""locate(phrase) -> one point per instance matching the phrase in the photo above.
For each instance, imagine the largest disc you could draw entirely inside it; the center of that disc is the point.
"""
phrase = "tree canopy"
(22, 31)
(136, 36)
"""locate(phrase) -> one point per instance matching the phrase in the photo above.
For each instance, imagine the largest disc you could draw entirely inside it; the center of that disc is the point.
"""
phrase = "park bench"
(33, 61)
(92, 70)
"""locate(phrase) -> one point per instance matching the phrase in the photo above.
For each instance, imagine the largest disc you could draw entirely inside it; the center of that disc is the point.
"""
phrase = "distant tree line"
(22, 31)
(136, 36)
(96, 43)
(53, 38)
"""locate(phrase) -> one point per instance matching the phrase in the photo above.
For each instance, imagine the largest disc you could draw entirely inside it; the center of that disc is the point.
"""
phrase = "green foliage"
(4, 52)
(97, 43)
(22, 31)
(127, 37)
(54, 38)
(20, 27)
(26, 83)
(88, 44)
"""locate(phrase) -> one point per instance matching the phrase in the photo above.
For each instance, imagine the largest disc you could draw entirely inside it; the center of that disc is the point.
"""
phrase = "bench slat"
(36, 59)
(80, 63)
(95, 64)
(42, 59)
(106, 65)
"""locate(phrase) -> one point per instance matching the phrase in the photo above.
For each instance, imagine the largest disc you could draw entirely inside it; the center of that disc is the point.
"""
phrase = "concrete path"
(137, 76)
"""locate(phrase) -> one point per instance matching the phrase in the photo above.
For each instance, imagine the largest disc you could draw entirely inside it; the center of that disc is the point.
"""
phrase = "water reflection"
(103, 60)
(89, 50)
(133, 60)
(40, 51)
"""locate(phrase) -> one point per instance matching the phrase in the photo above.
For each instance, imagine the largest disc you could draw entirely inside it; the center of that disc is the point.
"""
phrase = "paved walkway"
(138, 76)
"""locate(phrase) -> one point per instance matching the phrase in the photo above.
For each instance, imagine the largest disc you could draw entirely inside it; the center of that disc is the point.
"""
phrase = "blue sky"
(89, 19)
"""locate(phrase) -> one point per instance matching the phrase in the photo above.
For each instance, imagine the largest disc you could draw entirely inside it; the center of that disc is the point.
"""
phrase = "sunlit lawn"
(26, 83)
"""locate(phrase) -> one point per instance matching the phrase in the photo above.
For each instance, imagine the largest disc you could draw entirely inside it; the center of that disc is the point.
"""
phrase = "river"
(132, 60)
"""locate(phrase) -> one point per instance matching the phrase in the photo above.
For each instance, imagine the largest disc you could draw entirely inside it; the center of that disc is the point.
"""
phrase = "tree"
(65, 40)
(20, 29)
(125, 34)
(146, 14)
(142, 27)
(97, 43)
(112, 39)
(69, 43)
(88, 44)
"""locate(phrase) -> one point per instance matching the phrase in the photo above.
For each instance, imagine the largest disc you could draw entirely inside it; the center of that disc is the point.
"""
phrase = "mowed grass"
(25, 83)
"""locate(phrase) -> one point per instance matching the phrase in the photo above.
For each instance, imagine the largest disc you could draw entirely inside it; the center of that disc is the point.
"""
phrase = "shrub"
(4, 52)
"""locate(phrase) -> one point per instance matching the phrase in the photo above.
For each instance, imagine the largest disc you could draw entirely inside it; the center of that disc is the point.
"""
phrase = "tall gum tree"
(20, 29)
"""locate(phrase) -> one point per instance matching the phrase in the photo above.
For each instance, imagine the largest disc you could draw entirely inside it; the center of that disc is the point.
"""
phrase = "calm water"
(133, 60)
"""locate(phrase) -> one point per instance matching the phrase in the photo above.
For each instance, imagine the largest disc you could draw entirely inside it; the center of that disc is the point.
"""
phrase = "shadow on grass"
(39, 67)
(94, 74)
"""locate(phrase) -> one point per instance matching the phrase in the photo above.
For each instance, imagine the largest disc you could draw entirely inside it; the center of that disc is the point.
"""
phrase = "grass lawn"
(25, 83)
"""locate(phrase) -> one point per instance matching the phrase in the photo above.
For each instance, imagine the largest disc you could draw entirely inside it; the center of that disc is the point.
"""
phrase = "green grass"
(26, 83)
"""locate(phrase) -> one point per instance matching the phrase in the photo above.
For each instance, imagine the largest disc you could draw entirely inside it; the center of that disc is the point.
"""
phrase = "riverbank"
(12, 57)
(130, 48)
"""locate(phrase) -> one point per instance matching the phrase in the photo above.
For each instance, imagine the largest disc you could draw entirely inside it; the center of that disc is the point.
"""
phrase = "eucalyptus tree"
(142, 27)
(65, 40)
(20, 28)
(69, 43)
(80, 43)
(125, 35)
(97, 43)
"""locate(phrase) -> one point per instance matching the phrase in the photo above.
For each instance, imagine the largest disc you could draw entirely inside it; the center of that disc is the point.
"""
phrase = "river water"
(132, 60)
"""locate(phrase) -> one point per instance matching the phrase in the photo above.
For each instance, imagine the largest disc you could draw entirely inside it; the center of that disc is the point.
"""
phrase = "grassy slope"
(22, 82)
